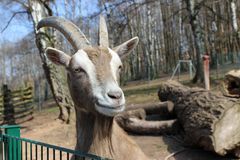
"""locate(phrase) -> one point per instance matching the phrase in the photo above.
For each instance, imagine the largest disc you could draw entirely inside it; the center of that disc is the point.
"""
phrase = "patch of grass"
(144, 90)
(51, 109)
(142, 95)
(142, 98)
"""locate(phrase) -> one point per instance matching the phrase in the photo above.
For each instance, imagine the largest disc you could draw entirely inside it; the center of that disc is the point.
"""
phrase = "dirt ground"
(45, 127)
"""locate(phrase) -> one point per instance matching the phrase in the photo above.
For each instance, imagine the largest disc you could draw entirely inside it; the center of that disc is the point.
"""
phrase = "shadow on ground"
(181, 152)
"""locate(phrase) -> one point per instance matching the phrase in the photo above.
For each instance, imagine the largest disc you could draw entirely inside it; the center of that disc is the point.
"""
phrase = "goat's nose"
(114, 94)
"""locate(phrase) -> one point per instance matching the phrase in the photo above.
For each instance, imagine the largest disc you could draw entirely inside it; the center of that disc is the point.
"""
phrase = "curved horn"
(73, 34)
(103, 33)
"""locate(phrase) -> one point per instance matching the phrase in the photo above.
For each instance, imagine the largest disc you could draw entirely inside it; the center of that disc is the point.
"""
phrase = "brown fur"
(102, 136)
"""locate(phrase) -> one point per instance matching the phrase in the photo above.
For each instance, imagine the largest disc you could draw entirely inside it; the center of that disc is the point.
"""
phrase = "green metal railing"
(12, 147)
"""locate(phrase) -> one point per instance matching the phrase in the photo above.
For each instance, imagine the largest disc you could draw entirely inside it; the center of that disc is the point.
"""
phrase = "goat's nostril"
(115, 95)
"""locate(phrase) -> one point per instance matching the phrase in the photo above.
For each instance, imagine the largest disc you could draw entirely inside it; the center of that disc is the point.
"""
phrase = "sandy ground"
(46, 128)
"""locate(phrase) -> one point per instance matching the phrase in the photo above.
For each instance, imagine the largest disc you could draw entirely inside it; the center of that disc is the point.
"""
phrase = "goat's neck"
(102, 136)
(94, 133)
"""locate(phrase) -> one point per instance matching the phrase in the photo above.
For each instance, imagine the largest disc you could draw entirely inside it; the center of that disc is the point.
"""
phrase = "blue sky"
(20, 26)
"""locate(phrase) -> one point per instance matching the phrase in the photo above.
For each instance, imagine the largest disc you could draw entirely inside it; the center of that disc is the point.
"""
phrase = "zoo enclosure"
(12, 147)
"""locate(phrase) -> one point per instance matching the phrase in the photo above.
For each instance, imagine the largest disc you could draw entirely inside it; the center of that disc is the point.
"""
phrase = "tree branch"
(214, 12)
(9, 21)
(24, 5)
(45, 4)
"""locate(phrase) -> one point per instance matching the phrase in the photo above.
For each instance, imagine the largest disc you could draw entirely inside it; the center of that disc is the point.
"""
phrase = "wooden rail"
(16, 106)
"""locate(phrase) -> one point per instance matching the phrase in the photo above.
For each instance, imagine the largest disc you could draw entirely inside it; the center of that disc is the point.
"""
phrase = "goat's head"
(93, 72)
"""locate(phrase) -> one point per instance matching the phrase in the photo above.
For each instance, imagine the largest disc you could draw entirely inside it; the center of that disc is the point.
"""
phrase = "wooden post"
(206, 71)
(8, 111)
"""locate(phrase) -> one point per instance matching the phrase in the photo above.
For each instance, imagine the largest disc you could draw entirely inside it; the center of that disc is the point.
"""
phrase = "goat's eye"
(120, 68)
(78, 70)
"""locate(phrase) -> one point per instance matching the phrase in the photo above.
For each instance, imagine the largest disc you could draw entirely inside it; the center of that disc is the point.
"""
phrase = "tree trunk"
(206, 117)
(198, 39)
(54, 76)
(236, 34)
(234, 15)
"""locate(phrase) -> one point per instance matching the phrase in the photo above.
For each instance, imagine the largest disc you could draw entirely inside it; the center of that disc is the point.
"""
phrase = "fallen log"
(138, 126)
(138, 113)
(135, 118)
(163, 109)
(209, 120)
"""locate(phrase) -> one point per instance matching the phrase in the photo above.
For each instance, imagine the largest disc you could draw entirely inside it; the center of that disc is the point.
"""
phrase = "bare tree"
(167, 30)
(193, 10)
(38, 9)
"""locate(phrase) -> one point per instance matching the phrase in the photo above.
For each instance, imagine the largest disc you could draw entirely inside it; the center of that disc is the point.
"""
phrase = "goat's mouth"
(109, 110)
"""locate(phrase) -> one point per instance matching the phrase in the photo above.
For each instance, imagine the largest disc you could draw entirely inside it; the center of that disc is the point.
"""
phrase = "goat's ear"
(58, 57)
(126, 48)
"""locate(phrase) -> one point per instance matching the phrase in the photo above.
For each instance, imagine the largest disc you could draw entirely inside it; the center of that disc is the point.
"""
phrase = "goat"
(93, 80)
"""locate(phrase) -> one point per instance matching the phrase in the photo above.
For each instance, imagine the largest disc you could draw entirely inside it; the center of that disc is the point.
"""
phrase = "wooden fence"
(16, 106)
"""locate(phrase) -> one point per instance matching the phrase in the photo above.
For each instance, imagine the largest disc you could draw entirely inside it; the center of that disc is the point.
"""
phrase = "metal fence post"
(1, 145)
(14, 146)
(190, 69)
